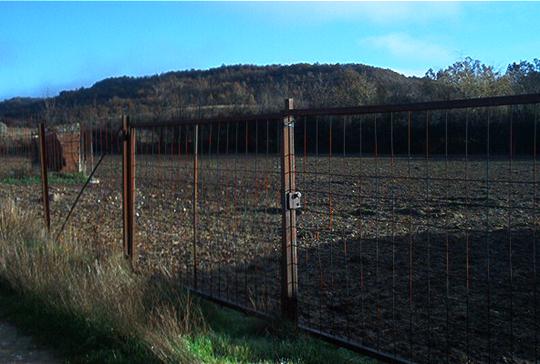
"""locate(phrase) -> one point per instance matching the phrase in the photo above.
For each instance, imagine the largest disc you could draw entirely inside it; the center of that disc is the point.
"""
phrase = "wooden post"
(44, 179)
(289, 262)
(195, 200)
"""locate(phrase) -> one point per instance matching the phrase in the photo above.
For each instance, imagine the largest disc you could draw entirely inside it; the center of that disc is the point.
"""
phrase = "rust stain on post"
(44, 179)
(289, 262)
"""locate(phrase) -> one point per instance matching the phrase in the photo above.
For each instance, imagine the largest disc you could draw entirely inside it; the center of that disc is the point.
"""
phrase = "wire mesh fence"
(418, 232)
(208, 208)
(19, 167)
(416, 239)
(85, 183)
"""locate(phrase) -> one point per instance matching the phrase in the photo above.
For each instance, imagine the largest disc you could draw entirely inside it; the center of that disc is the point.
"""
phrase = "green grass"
(56, 178)
(91, 309)
(233, 337)
(236, 338)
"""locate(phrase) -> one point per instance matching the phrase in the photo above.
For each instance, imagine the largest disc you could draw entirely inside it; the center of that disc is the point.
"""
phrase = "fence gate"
(208, 207)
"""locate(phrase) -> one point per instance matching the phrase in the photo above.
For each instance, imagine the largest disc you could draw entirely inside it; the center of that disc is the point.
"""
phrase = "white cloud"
(402, 45)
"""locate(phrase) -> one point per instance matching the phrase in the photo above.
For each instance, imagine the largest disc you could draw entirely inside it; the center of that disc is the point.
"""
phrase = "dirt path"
(18, 348)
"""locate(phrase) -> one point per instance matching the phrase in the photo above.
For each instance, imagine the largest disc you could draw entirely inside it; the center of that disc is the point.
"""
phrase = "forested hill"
(248, 89)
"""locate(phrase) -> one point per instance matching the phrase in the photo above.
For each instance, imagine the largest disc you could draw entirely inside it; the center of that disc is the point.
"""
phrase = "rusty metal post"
(44, 179)
(195, 199)
(128, 187)
(125, 183)
(132, 192)
(289, 261)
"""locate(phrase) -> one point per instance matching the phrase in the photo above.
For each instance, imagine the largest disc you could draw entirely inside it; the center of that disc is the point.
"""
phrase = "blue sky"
(48, 47)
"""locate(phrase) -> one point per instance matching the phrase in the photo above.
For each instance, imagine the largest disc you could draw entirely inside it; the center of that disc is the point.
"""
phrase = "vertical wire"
(199, 201)
(101, 138)
(198, 146)
(196, 198)
(280, 140)
(467, 262)
(160, 160)
(178, 179)
(245, 175)
(510, 252)
(321, 276)
(428, 239)
(210, 171)
(534, 236)
(256, 289)
(218, 180)
(265, 289)
(488, 241)
(331, 222)
(306, 201)
(377, 194)
(107, 139)
(304, 161)
(330, 207)
(186, 142)
(392, 187)
(409, 135)
(170, 179)
(347, 283)
(259, 171)
(305, 150)
(446, 236)
(361, 235)
(153, 131)
(171, 157)
(230, 201)
(246, 138)
(236, 222)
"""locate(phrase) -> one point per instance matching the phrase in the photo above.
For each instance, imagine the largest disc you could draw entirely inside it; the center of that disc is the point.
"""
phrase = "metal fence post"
(195, 199)
(132, 192)
(128, 186)
(125, 184)
(289, 262)
(44, 179)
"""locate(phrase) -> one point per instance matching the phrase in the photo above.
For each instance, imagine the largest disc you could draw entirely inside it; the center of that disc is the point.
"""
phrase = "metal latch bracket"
(293, 200)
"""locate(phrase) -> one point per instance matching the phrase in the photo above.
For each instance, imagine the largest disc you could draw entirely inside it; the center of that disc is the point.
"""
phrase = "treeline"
(251, 89)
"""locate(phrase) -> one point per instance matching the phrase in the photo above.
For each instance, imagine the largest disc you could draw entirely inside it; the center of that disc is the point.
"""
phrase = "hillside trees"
(249, 89)
(471, 78)
(524, 76)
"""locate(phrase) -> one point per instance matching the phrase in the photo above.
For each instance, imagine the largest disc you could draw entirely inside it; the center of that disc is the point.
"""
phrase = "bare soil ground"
(428, 260)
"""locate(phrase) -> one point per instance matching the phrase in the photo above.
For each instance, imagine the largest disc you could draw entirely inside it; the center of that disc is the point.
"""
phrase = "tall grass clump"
(150, 311)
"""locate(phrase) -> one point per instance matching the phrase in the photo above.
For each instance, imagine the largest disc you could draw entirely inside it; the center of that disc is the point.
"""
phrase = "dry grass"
(96, 310)
(104, 292)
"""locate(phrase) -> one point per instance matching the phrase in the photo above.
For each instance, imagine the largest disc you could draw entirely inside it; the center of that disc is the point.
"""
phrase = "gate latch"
(293, 200)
